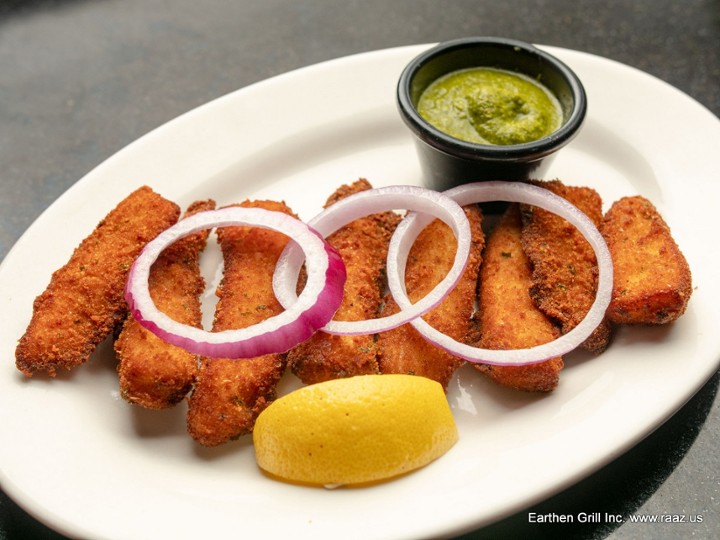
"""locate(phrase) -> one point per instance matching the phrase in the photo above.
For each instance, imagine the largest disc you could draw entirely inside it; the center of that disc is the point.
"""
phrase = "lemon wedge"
(354, 430)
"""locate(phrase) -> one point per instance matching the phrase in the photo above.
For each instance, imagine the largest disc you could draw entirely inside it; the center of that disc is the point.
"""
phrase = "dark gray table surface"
(81, 79)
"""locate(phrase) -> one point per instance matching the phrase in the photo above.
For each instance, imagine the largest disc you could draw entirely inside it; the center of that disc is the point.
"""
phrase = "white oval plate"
(77, 457)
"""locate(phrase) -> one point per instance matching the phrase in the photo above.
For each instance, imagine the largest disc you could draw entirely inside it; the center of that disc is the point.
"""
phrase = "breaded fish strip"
(652, 282)
(229, 394)
(84, 300)
(507, 316)
(564, 266)
(403, 349)
(363, 246)
(153, 373)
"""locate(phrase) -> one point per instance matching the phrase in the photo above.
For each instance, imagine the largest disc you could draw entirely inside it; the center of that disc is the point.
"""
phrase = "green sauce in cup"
(490, 106)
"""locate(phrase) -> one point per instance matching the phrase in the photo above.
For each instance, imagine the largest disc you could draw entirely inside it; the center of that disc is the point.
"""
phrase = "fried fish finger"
(84, 300)
(652, 282)
(564, 266)
(363, 246)
(230, 393)
(507, 316)
(153, 373)
(403, 349)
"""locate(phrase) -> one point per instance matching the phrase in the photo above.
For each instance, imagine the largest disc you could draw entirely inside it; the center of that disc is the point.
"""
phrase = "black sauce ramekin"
(447, 161)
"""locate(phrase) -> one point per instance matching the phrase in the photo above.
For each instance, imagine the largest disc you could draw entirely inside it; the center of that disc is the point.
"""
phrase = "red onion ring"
(365, 203)
(316, 305)
(518, 192)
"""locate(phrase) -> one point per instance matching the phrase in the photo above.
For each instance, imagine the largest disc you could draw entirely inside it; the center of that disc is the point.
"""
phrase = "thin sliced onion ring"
(316, 305)
(521, 193)
(365, 203)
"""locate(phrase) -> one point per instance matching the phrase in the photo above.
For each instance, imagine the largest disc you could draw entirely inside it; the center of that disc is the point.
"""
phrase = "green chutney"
(490, 106)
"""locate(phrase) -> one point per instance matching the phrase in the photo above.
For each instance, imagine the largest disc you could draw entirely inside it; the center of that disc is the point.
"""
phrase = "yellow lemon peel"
(355, 430)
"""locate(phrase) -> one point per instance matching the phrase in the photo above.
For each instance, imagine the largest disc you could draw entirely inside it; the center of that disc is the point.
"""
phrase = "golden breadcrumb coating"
(652, 282)
(85, 298)
(403, 349)
(153, 373)
(507, 316)
(230, 393)
(564, 265)
(363, 246)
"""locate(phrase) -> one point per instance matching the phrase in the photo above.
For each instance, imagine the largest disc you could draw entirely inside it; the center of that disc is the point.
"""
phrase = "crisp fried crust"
(84, 300)
(153, 373)
(563, 262)
(229, 394)
(363, 246)
(403, 349)
(507, 316)
(652, 283)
